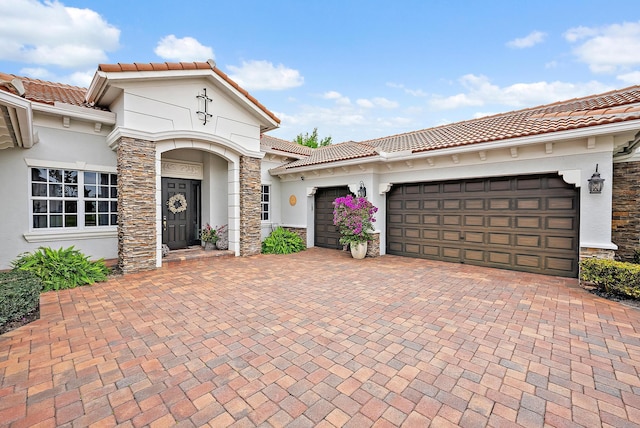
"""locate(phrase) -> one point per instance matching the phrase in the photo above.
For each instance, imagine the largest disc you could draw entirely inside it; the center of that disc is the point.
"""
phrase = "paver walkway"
(320, 339)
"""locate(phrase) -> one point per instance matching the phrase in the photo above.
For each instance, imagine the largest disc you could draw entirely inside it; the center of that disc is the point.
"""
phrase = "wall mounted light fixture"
(362, 191)
(596, 183)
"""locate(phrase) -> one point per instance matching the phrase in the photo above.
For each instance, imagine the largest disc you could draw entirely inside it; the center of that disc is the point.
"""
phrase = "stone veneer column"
(250, 194)
(625, 220)
(136, 205)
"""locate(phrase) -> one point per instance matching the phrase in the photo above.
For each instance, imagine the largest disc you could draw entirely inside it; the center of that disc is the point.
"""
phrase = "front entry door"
(180, 212)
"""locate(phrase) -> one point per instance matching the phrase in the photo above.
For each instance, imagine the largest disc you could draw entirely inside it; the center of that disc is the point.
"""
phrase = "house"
(149, 153)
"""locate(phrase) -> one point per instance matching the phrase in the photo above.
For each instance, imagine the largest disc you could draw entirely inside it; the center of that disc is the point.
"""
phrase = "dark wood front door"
(525, 223)
(326, 234)
(180, 226)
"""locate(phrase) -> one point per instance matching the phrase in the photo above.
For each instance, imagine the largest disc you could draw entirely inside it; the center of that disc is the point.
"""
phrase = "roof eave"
(20, 118)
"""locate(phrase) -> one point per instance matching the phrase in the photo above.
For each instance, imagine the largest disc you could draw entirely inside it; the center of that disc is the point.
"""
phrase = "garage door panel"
(412, 233)
(561, 203)
(499, 238)
(430, 204)
(325, 233)
(528, 261)
(532, 241)
(499, 204)
(562, 223)
(496, 185)
(560, 242)
(431, 234)
(452, 204)
(412, 219)
(560, 264)
(430, 251)
(474, 204)
(451, 253)
(500, 221)
(395, 204)
(431, 219)
(529, 204)
(451, 235)
(474, 255)
(474, 237)
(412, 204)
(527, 223)
(412, 249)
(499, 258)
(449, 220)
(474, 220)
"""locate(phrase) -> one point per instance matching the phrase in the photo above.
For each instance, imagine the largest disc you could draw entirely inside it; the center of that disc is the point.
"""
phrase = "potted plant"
(223, 237)
(209, 237)
(354, 219)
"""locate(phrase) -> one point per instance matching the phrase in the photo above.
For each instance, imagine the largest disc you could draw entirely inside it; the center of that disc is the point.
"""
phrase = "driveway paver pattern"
(320, 339)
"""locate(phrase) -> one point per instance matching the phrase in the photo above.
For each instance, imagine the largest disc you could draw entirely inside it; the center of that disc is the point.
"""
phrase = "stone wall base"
(373, 248)
(300, 231)
(598, 253)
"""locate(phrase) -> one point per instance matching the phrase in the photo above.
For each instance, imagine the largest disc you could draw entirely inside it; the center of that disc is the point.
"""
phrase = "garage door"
(525, 223)
(326, 234)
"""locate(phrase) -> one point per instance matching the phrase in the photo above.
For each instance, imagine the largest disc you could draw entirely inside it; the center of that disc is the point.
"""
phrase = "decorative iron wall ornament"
(204, 115)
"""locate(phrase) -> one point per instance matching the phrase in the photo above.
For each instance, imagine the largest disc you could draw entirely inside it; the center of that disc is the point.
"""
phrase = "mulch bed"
(12, 325)
(613, 297)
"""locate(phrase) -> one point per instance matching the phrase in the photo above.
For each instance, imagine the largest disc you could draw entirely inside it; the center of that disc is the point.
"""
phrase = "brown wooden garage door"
(326, 234)
(525, 223)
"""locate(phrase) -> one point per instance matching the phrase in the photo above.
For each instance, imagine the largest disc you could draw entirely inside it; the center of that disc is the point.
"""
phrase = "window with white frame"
(67, 198)
(266, 203)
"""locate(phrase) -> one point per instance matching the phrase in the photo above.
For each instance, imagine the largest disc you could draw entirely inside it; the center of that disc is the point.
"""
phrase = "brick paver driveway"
(320, 339)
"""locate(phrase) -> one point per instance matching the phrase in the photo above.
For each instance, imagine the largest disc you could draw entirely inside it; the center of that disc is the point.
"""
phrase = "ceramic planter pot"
(358, 250)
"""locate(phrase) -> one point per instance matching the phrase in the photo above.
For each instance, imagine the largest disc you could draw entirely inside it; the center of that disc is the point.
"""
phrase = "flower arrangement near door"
(209, 237)
(354, 218)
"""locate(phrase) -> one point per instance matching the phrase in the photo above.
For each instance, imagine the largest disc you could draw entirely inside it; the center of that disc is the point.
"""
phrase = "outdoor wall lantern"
(362, 191)
(595, 182)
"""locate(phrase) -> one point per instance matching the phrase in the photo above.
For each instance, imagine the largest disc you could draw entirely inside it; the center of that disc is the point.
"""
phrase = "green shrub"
(282, 241)
(614, 277)
(61, 269)
(19, 295)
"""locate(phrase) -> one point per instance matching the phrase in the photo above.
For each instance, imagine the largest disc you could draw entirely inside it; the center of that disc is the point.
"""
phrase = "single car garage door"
(326, 234)
(525, 223)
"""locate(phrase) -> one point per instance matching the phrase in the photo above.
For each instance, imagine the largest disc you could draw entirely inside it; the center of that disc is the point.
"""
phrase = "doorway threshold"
(195, 252)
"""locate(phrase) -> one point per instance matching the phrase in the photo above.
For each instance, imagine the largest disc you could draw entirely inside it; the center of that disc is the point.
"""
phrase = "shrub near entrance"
(613, 277)
(19, 297)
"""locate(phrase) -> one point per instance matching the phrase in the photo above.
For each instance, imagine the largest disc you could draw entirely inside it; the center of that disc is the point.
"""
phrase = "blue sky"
(355, 69)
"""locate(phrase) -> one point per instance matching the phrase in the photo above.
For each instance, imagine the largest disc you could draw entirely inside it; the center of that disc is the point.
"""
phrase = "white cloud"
(337, 96)
(479, 91)
(377, 102)
(365, 103)
(264, 75)
(412, 92)
(53, 34)
(609, 49)
(528, 41)
(632, 78)
(185, 49)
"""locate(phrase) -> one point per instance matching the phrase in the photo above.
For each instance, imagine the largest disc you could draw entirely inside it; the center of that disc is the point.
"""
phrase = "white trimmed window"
(266, 203)
(68, 198)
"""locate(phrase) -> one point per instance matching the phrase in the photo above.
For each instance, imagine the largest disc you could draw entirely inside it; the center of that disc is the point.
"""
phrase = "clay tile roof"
(610, 107)
(50, 92)
(167, 66)
(334, 152)
(268, 142)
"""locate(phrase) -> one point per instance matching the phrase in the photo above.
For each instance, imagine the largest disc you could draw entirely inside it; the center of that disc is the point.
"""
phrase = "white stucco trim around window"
(184, 138)
(49, 236)
(80, 166)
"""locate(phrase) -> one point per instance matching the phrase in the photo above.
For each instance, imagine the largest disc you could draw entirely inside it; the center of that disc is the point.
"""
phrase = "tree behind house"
(312, 140)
